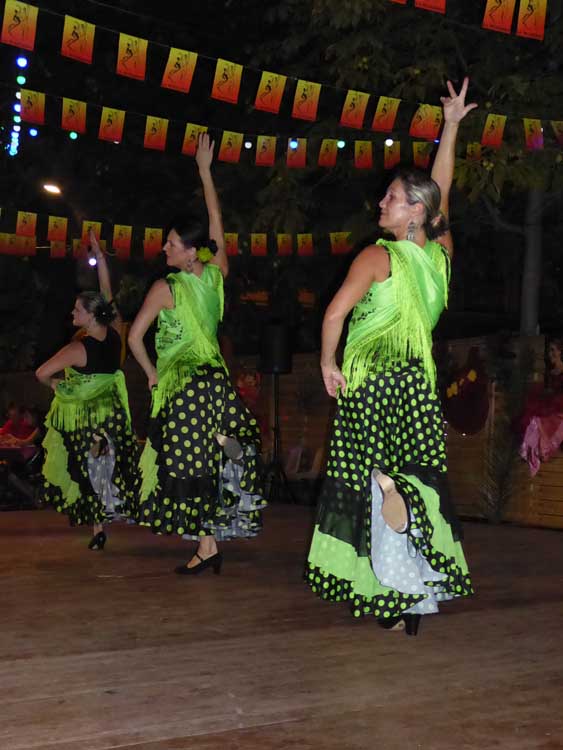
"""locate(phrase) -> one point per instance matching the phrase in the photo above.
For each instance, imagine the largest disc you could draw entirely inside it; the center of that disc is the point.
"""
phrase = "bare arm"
(372, 264)
(71, 355)
(104, 279)
(158, 298)
(204, 157)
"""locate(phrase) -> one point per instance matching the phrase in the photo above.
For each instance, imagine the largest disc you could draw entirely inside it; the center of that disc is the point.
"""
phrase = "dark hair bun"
(104, 313)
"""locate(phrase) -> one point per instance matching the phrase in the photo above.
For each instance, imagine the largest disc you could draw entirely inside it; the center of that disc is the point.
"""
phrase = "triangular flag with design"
(152, 243)
(231, 144)
(493, 131)
(78, 39)
(122, 239)
(306, 100)
(26, 224)
(111, 124)
(231, 243)
(156, 130)
(270, 92)
(385, 114)
(305, 244)
(297, 157)
(73, 115)
(285, 244)
(57, 228)
(191, 137)
(426, 122)
(474, 151)
(265, 150)
(132, 57)
(421, 151)
(439, 6)
(57, 249)
(392, 155)
(19, 25)
(179, 71)
(498, 15)
(32, 106)
(363, 154)
(226, 85)
(354, 109)
(340, 243)
(87, 225)
(534, 134)
(259, 243)
(328, 152)
(531, 19)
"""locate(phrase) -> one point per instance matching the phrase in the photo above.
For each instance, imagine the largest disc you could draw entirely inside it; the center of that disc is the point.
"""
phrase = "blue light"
(21, 80)
(436, 140)
(17, 128)
(13, 151)
(17, 118)
(33, 132)
(293, 143)
(341, 144)
(21, 62)
(72, 135)
(17, 107)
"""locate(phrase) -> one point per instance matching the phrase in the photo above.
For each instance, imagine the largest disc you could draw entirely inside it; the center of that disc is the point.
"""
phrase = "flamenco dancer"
(199, 465)
(386, 538)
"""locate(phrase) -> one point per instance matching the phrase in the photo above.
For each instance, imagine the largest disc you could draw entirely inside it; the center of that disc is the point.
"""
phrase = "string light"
(340, 144)
(21, 62)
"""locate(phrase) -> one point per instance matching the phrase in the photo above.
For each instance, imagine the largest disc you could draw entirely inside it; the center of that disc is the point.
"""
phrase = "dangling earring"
(411, 229)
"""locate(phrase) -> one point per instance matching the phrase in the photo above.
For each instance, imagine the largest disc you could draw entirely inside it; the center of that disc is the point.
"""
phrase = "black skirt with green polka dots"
(190, 487)
(391, 423)
(90, 506)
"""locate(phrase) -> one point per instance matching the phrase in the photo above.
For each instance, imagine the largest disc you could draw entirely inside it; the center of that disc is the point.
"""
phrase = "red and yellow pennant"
(426, 122)
(354, 109)
(474, 151)
(231, 144)
(57, 249)
(265, 150)
(259, 243)
(306, 101)
(531, 19)
(19, 25)
(392, 155)
(112, 122)
(421, 151)
(152, 243)
(26, 224)
(297, 157)
(78, 39)
(439, 6)
(191, 138)
(285, 244)
(8, 243)
(226, 85)
(340, 243)
(57, 228)
(399, 2)
(270, 92)
(493, 131)
(305, 244)
(73, 115)
(363, 154)
(32, 106)
(156, 131)
(498, 15)
(231, 243)
(122, 239)
(328, 152)
(534, 134)
(132, 57)
(179, 72)
(557, 126)
(87, 225)
(385, 114)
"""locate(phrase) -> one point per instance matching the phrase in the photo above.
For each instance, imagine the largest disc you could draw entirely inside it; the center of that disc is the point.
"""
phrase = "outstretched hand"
(333, 380)
(204, 153)
(454, 105)
(94, 244)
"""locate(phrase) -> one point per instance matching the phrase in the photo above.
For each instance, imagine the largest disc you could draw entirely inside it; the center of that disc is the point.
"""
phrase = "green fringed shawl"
(393, 322)
(186, 337)
(84, 400)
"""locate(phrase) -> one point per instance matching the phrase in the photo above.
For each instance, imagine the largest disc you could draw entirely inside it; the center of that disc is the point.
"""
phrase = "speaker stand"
(275, 476)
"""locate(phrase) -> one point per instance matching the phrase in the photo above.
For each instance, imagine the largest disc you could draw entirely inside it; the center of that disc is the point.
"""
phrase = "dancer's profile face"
(80, 315)
(177, 254)
(396, 211)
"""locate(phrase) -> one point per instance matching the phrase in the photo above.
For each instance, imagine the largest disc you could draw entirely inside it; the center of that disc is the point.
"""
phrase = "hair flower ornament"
(206, 252)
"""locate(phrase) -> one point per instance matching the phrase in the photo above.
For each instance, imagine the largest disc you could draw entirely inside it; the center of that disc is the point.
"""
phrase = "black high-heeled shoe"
(388, 623)
(97, 541)
(215, 562)
(412, 623)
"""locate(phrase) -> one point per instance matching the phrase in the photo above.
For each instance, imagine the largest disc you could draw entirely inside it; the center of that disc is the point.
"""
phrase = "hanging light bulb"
(340, 143)
(389, 142)
(293, 143)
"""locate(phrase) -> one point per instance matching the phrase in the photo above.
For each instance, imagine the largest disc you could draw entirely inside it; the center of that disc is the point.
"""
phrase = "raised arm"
(71, 355)
(455, 110)
(104, 278)
(204, 157)
(158, 298)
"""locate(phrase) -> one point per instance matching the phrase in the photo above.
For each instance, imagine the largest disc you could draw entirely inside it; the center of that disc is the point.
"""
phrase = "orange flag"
(531, 18)
(392, 155)
(363, 154)
(297, 157)
(231, 243)
(534, 134)
(87, 225)
(226, 85)
(20, 24)
(498, 15)
(191, 136)
(57, 228)
(340, 243)
(354, 109)
(152, 244)
(557, 126)
(493, 131)
(285, 244)
(426, 122)
(259, 244)
(122, 239)
(270, 92)
(79, 245)
(26, 224)
(231, 144)
(8, 243)
(265, 150)
(179, 71)
(26, 245)
(421, 151)
(73, 115)
(473, 151)
(58, 249)
(78, 39)
(156, 130)
(304, 244)
(437, 5)
(132, 57)
(306, 101)
(111, 124)
(33, 106)
(328, 152)
(385, 114)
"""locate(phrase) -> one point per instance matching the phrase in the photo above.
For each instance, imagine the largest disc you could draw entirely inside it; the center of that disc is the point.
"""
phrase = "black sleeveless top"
(102, 356)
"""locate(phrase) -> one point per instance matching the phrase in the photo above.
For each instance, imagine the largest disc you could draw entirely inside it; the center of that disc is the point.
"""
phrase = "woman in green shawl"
(199, 465)
(386, 538)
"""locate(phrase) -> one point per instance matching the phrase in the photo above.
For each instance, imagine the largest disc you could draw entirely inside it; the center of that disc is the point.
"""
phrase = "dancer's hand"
(152, 380)
(454, 105)
(333, 380)
(204, 153)
(94, 244)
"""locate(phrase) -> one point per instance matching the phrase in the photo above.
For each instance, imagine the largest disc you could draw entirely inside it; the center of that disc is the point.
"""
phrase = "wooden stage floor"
(113, 650)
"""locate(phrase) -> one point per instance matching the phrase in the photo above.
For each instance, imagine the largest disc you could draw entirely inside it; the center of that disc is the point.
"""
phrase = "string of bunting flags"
(23, 241)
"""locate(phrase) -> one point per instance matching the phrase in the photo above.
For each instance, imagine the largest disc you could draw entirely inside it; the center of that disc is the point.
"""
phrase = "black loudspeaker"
(275, 349)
